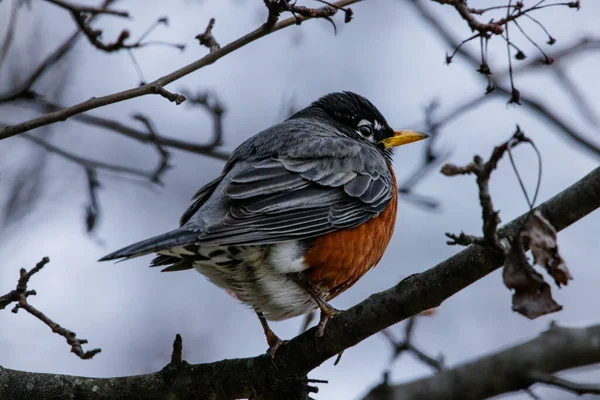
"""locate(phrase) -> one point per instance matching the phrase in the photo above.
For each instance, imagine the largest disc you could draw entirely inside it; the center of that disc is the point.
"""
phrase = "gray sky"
(387, 54)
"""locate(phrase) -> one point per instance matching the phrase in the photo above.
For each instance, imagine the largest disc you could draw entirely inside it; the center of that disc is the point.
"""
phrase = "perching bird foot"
(274, 343)
(327, 313)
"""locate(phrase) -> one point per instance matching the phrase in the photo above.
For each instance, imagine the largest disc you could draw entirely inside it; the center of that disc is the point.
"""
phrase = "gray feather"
(296, 180)
(167, 240)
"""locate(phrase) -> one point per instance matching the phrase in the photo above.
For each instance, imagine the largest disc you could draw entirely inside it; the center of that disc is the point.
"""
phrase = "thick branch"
(156, 87)
(263, 378)
(516, 368)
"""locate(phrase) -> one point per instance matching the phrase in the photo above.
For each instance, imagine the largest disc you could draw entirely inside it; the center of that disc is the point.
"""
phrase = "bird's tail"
(165, 241)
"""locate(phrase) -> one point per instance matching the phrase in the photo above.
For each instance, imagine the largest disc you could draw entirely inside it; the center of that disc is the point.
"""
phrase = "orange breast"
(340, 258)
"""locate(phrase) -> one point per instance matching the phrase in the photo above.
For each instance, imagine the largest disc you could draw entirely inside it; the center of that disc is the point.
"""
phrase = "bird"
(300, 212)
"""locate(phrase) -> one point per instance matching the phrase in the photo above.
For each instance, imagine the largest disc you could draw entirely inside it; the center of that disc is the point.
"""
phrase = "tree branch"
(516, 368)
(540, 109)
(263, 378)
(20, 295)
(10, 31)
(208, 149)
(88, 10)
(577, 388)
(157, 86)
(93, 164)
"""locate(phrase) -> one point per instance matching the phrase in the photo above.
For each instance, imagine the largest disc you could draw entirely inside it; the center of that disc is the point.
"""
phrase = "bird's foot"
(274, 343)
(327, 313)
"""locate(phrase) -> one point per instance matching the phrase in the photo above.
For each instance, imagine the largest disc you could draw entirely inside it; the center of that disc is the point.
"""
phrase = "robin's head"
(358, 118)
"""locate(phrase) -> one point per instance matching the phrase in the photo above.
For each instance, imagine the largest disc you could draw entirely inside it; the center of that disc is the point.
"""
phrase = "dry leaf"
(540, 236)
(532, 297)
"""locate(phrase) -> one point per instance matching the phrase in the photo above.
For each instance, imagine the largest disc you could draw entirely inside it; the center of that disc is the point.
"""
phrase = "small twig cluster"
(276, 7)
(560, 120)
(514, 12)
(532, 297)
(82, 14)
(20, 295)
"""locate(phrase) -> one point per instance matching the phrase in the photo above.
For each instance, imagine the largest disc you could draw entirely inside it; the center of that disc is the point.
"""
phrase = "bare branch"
(88, 10)
(20, 295)
(466, 13)
(406, 345)
(509, 370)
(24, 90)
(209, 149)
(553, 380)
(88, 163)
(576, 95)
(81, 14)
(157, 86)
(513, 12)
(544, 112)
(10, 31)
(483, 170)
(211, 103)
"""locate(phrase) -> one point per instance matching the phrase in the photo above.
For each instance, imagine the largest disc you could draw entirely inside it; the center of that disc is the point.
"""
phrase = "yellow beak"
(403, 137)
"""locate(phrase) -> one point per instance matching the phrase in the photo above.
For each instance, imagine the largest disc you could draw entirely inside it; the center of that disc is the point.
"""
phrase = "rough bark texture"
(285, 377)
(513, 369)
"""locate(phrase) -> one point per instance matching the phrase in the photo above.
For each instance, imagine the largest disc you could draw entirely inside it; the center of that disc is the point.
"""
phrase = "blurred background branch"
(516, 368)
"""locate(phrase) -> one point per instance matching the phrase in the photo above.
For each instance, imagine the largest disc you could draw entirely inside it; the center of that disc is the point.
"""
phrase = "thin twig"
(207, 39)
(406, 345)
(88, 163)
(540, 109)
(553, 380)
(88, 10)
(20, 295)
(24, 89)
(10, 31)
(209, 149)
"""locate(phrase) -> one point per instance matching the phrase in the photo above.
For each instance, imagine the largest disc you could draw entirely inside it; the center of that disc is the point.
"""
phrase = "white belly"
(259, 276)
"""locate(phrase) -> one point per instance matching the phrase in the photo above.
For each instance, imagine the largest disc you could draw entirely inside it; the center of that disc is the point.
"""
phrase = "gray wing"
(296, 180)
(279, 200)
(200, 198)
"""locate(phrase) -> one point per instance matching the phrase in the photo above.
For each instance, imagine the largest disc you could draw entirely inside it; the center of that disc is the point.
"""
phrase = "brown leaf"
(535, 304)
(532, 297)
(540, 236)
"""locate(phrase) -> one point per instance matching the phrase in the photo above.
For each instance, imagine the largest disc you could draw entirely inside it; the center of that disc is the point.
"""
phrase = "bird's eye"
(366, 130)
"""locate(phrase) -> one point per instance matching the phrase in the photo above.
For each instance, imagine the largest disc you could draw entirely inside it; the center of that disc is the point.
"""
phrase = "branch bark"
(516, 368)
(285, 377)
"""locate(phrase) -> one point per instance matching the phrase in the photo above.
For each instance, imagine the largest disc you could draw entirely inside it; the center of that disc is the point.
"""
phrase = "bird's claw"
(274, 344)
(326, 315)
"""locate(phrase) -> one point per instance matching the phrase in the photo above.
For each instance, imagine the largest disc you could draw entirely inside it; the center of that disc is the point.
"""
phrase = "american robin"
(300, 212)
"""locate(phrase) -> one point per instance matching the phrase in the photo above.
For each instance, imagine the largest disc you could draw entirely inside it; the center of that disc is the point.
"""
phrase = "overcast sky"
(387, 54)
